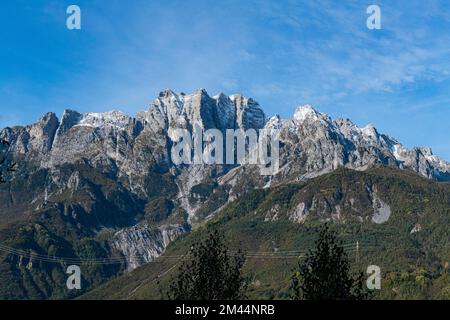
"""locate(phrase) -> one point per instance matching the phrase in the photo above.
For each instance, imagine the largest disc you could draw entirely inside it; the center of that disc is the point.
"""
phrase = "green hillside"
(412, 248)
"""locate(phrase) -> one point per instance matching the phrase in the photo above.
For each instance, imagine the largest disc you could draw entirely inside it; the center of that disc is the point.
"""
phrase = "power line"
(292, 254)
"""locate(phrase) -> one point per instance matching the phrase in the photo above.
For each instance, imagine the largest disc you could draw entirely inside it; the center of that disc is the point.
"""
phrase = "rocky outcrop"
(141, 244)
(381, 210)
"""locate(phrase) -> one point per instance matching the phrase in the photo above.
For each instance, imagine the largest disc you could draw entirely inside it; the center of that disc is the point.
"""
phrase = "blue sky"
(281, 53)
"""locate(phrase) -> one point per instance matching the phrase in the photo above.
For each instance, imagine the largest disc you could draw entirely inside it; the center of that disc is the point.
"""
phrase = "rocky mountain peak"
(68, 120)
(307, 112)
(48, 118)
(174, 110)
(166, 94)
(426, 151)
(249, 114)
(274, 122)
(42, 133)
(201, 92)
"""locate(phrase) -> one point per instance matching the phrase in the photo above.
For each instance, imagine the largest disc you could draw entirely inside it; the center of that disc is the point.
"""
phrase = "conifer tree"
(209, 272)
(325, 273)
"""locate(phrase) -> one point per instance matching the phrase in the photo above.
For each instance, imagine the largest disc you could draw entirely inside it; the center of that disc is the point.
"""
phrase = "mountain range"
(101, 189)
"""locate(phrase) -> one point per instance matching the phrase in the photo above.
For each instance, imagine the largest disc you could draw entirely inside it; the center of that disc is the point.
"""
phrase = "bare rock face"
(248, 113)
(142, 244)
(34, 140)
(172, 110)
(69, 119)
(382, 211)
(133, 154)
(300, 213)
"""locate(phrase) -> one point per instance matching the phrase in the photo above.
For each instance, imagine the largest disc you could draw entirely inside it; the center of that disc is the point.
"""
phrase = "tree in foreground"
(210, 272)
(325, 273)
